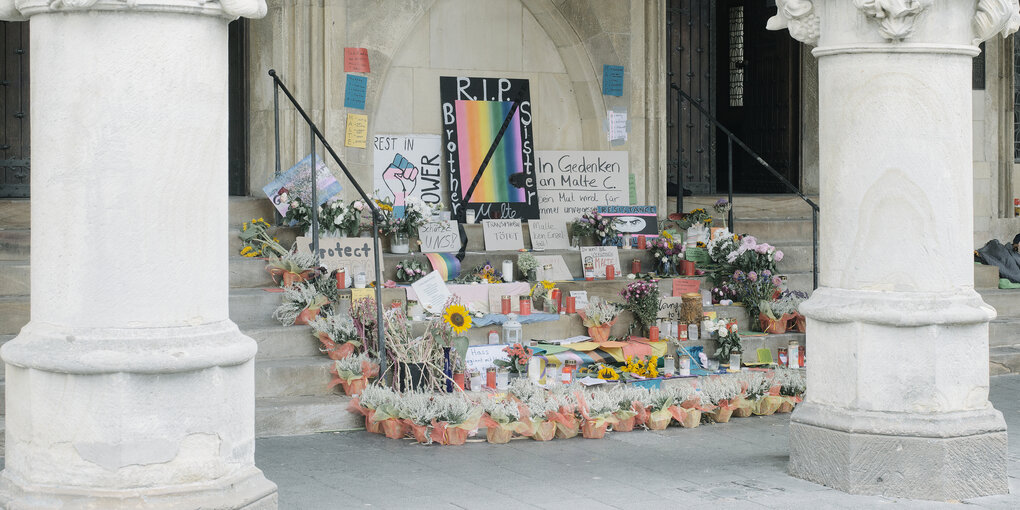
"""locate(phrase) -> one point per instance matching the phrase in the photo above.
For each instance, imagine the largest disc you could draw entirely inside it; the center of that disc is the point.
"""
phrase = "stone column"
(130, 387)
(898, 339)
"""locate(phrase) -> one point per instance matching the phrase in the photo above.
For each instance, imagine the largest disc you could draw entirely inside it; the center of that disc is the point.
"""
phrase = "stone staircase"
(291, 375)
(1004, 331)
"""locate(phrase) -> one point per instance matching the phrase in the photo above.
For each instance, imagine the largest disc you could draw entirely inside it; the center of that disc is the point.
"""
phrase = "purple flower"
(721, 202)
(777, 281)
(778, 256)
(752, 276)
(762, 249)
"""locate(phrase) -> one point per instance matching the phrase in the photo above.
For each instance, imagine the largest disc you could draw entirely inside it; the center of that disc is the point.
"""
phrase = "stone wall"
(559, 45)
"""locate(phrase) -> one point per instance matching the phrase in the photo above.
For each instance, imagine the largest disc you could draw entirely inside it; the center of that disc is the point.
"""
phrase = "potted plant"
(301, 304)
(599, 411)
(500, 419)
(417, 410)
(599, 316)
(689, 406)
(727, 336)
(764, 398)
(581, 230)
(292, 268)
(696, 224)
(721, 392)
(519, 356)
(660, 404)
(567, 415)
(353, 373)
(337, 334)
(373, 399)
(791, 388)
(666, 252)
(642, 299)
(415, 357)
(631, 401)
(789, 304)
(773, 317)
(457, 417)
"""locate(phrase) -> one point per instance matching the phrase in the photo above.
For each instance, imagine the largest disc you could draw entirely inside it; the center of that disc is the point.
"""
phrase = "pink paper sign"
(356, 60)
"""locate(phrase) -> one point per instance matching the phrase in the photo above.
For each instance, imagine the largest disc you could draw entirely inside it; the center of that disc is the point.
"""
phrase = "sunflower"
(457, 317)
(607, 373)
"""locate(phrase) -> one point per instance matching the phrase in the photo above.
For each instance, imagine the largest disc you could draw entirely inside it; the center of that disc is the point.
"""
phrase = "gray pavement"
(741, 464)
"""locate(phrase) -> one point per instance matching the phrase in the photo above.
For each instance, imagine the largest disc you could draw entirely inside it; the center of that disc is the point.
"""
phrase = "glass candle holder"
(734, 361)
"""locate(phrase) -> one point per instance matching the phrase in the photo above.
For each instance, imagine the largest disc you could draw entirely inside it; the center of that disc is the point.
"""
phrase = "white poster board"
(408, 166)
(432, 292)
(560, 271)
(600, 257)
(352, 254)
(548, 234)
(503, 234)
(439, 237)
(571, 183)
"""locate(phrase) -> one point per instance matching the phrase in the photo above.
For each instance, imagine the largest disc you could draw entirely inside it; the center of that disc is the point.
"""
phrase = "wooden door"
(690, 136)
(758, 97)
(14, 118)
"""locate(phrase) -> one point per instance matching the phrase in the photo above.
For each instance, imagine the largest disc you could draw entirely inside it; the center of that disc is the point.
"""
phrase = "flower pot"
(691, 419)
(766, 405)
(307, 315)
(591, 431)
(797, 323)
(599, 333)
(720, 415)
(498, 435)
(334, 350)
(420, 432)
(400, 243)
(565, 432)
(355, 386)
(546, 430)
(785, 407)
(412, 376)
(456, 435)
(658, 422)
(770, 325)
(370, 424)
(393, 428)
(624, 425)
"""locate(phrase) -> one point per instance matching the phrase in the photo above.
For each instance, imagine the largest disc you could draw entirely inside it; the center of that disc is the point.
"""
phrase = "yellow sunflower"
(384, 206)
(458, 318)
(607, 373)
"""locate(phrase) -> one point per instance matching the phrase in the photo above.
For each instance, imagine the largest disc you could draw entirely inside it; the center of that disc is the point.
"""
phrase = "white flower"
(294, 204)
(663, 258)
(337, 220)
(733, 327)
(359, 205)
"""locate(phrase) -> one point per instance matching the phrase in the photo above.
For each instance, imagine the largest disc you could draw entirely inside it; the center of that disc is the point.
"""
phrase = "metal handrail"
(731, 138)
(376, 214)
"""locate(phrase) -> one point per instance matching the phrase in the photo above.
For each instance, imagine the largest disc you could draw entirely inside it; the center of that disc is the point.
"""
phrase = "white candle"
(508, 271)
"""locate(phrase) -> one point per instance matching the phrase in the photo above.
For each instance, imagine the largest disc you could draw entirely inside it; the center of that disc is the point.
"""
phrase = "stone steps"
(776, 231)
(291, 416)
(1004, 359)
(278, 341)
(14, 313)
(14, 278)
(771, 206)
(14, 244)
(1005, 301)
(293, 377)
(1004, 331)
(986, 277)
(15, 213)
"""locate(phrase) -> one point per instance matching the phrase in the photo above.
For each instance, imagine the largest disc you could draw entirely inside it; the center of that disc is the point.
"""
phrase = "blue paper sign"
(354, 94)
(612, 80)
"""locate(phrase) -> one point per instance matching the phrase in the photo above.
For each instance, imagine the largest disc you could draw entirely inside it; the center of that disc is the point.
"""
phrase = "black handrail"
(731, 138)
(278, 85)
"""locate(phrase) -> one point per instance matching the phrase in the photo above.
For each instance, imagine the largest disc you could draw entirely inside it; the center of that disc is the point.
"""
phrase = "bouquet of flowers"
(527, 263)
(409, 271)
(695, 217)
(751, 255)
(341, 219)
(642, 299)
(337, 334)
(416, 213)
(256, 241)
(301, 304)
(720, 248)
(722, 206)
(519, 357)
(728, 337)
(754, 287)
(636, 369)
(299, 215)
(604, 228)
(666, 252)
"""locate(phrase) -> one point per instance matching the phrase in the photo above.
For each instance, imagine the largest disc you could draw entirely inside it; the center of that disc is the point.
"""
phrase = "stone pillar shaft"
(130, 387)
(898, 358)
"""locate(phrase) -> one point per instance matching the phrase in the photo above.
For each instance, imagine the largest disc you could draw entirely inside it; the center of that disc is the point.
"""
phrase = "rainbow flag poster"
(474, 111)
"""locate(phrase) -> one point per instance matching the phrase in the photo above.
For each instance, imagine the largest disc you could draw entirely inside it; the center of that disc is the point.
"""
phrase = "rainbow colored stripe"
(447, 264)
(478, 122)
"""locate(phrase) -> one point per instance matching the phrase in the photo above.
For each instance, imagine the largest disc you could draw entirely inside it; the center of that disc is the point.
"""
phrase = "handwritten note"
(616, 126)
(439, 237)
(353, 254)
(480, 357)
(356, 60)
(432, 292)
(357, 89)
(548, 235)
(503, 234)
(598, 257)
(357, 130)
(580, 299)
(682, 286)
(612, 80)
(571, 183)
(669, 308)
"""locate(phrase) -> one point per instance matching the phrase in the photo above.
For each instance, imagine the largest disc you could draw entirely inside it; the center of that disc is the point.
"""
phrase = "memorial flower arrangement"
(599, 316)
(722, 206)
(724, 394)
(299, 215)
(338, 335)
(484, 273)
(457, 418)
(727, 334)
(338, 219)
(750, 255)
(375, 399)
(722, 245)
(409, 271)
(291, 268)
(501, 418)
(607, 373)
(365, 316)
(417, 409)
(604, 228)
(256, 240)
(753, 288)
(642, 300)
(527, 264)
(646, 368)
(301, 304)
(694, 218)
(456, 316)
(353, 373)
(599, 411)
(792, 385)
(519, 357)
(666, 252)
(415, 214)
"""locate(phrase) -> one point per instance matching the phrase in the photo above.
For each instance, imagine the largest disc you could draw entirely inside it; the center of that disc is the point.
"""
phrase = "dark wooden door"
(758, 97)
(14, 121)
(690, 60)
(238, 107)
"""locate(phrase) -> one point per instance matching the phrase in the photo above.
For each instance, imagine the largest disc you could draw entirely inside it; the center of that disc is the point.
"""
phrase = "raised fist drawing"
(401, 177)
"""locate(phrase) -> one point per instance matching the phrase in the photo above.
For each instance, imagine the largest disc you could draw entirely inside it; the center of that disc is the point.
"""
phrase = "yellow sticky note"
(357, 130)
(359, 294)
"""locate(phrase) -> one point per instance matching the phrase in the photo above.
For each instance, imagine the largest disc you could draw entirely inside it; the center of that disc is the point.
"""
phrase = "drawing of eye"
(630, 223)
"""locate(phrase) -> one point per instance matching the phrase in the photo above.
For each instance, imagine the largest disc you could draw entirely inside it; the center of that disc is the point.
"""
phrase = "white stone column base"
(935, 457)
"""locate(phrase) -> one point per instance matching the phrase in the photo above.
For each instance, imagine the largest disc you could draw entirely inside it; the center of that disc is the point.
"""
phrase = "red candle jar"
(653, 334)
(341, 279)
(507, 307)
(635, 266)
(554, 299)
(525, 305)
(800, 356)
(458, 379)
(571, 304)
(610, 272)
(490, 378)
(642, 242)
(687, 267)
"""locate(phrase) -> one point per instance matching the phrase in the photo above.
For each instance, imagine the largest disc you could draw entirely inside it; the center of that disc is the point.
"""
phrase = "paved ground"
(741, 464)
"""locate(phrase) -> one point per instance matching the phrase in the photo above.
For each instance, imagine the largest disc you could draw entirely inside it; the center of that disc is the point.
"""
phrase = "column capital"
(20, 10)
(895, 22)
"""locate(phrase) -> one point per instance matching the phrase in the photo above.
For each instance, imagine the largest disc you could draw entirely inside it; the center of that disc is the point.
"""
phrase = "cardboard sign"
(560, 271)
(432, 292)
(599, 257)
(407, 166)
(439, 237)
(633, 219)
(481, 357)
(571, 183)
(503, 235)
(357, 130)
(356, 60)
(682, 286)
(548, 235)
(353, 254)
(669, 308)
(473, 111)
